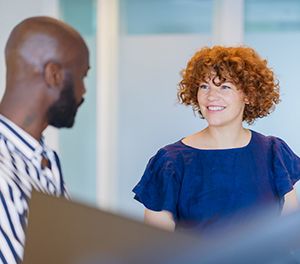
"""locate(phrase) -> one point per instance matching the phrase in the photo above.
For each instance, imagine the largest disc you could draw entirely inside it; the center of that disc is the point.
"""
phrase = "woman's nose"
(212, 94)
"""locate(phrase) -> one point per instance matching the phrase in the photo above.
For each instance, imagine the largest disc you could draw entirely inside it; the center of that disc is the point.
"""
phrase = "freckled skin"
(227, 96)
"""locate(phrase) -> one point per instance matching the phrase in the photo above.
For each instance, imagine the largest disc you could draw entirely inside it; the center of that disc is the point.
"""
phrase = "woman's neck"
(219, 138)
(224, 138)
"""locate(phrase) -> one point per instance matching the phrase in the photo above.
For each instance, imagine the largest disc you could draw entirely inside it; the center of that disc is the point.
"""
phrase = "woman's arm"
(291, 202)
(162, 219)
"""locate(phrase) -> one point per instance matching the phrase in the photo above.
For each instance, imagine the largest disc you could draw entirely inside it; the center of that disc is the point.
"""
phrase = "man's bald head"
(46, 62)
(38, 40)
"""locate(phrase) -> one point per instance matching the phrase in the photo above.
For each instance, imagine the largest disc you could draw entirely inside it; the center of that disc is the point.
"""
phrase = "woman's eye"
(203, 86)
(225, 87)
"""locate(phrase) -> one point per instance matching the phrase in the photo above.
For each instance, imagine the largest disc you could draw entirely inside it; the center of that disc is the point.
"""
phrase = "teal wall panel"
(78, 145)
(142, 17)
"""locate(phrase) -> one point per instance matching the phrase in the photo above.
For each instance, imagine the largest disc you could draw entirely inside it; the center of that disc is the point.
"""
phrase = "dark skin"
(39, 53)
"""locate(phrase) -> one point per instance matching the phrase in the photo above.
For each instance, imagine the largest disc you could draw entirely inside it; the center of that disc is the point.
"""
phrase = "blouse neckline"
(227, 149)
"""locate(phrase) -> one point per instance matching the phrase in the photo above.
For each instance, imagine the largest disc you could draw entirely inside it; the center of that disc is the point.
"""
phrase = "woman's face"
(221, 105)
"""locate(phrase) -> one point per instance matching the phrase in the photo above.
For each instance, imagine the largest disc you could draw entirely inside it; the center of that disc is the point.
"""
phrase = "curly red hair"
(240, 65)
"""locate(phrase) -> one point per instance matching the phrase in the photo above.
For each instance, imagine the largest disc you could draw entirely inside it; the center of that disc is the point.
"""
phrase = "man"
(46, 62)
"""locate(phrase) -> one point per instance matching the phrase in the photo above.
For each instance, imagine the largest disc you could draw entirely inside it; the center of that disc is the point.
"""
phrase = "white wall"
(281, 49)
(149, 69)
(149, 115)
(149, 65)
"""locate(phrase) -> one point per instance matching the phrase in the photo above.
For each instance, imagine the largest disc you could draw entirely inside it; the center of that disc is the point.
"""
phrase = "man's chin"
(69, 124)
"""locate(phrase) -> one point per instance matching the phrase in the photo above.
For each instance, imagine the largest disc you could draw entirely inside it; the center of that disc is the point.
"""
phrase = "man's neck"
(29, 122)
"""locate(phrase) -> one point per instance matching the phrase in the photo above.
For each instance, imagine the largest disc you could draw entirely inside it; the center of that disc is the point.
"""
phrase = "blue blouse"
(201, 188)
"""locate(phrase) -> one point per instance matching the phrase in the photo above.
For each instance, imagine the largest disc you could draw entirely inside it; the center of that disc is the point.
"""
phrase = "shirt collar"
(20, 138)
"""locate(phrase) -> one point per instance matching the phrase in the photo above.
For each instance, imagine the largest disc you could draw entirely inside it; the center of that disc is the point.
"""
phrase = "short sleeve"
(159, 186)
(286, 166)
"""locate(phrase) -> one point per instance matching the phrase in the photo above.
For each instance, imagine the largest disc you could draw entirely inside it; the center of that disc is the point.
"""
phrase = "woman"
(224, 170)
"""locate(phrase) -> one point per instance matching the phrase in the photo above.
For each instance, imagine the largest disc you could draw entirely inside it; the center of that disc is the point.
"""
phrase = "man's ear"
(53, 74)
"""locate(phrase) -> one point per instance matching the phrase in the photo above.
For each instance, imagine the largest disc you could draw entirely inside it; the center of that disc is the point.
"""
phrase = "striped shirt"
(25, 164)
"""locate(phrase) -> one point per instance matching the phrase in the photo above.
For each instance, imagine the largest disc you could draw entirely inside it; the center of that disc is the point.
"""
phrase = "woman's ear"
(53, 74)
(246, 100)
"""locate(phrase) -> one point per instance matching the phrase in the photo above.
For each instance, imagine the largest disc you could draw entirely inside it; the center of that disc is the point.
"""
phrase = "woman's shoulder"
(172, 155)
(276, 145)
(267, 140)
(175, 147)
(171, 151)
(285, 163)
